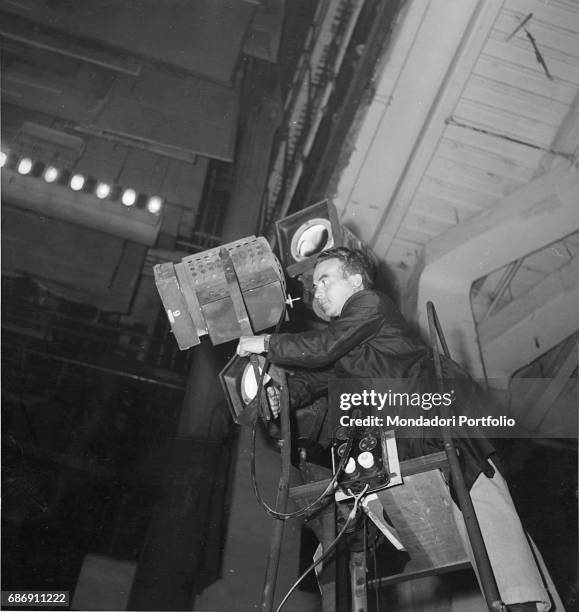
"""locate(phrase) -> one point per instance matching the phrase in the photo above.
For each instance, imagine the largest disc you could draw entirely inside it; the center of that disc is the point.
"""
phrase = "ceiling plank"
(460, 60)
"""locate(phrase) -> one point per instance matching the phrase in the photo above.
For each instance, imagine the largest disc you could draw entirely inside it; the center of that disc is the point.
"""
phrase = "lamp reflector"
(249, 383)
(311, 238)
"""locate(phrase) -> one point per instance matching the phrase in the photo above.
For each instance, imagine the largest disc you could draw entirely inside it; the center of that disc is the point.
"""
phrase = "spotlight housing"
(239, 384)
(303, 235)
(196, 296)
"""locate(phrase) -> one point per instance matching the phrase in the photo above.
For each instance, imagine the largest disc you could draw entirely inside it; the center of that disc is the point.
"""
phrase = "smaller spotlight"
(102, 191)
(154, 205)
(3, 158)
(50, 174)
(25, 165)
(129, 197)
(77, 182)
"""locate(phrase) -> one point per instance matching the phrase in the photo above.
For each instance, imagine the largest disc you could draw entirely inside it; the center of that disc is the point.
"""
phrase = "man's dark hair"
(353, 262)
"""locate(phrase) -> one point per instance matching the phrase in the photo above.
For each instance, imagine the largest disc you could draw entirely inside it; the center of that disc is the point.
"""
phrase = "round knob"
(350, 466)
(366, 460)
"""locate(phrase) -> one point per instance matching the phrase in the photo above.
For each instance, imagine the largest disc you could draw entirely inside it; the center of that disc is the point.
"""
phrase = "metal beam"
(530, 218)
(532, 324)
(81, 208)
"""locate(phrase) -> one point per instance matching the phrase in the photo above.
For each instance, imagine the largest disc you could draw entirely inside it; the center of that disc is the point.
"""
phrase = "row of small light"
(78, 182)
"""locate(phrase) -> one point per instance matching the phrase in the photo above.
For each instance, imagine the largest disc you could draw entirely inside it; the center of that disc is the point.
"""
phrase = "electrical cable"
(284, 516)
(330, 548)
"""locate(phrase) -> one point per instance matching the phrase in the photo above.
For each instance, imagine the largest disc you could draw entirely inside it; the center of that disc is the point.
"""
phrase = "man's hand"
(251, 344)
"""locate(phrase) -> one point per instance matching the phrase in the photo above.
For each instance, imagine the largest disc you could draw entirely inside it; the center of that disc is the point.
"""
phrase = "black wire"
(283, 516)
(330, 548)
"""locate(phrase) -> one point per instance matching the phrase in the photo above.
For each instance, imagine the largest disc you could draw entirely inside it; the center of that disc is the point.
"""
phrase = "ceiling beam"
(562, 280)
(80, 208)
(421, 81)
(30, 34)
(532, 324)
(526, 220)
(539, 410)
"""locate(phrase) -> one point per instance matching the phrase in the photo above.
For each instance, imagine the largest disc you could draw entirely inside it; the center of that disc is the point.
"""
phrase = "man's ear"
(356, 281)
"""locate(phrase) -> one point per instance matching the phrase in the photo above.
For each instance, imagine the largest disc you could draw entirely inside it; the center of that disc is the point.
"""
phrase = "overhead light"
(129, 197)
(3, 158)
(102, 191)
(25, 165)
(77, 182)
(154, 205)
(50, 174)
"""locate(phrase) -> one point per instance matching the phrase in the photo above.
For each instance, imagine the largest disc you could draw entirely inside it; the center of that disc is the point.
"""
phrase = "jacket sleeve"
(320, 348)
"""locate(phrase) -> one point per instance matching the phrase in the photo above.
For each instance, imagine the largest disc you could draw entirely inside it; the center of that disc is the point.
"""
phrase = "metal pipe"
(487, 578)
(281, 502)
(94, 366)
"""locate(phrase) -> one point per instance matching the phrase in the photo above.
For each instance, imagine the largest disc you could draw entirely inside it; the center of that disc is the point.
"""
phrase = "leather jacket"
(371, 339)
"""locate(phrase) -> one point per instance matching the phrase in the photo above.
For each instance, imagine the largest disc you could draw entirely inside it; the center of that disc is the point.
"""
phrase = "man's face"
(332, 288)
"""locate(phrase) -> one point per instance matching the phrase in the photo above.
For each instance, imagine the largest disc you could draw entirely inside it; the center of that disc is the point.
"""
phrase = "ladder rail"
(481, 558)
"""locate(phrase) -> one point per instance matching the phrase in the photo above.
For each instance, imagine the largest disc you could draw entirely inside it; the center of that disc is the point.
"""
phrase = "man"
(367, 337)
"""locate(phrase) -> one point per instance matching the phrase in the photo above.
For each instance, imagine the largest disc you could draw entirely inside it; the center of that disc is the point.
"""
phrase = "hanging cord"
(330, 548)
(282, 516)
(302, 511)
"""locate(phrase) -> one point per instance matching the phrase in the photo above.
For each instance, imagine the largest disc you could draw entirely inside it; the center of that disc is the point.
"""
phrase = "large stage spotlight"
(303, 235)
(198, 299)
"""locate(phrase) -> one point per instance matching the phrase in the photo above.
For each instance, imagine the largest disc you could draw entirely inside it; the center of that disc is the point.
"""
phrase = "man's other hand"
(251, 345)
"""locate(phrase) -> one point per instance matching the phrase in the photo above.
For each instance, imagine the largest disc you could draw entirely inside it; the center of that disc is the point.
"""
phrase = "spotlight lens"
(311, 238)
(50, 174)
(312, 241)
(25, 165)
(154, 205)
(249, 383)
(3, 158)
(129, 197)
(102, 190)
